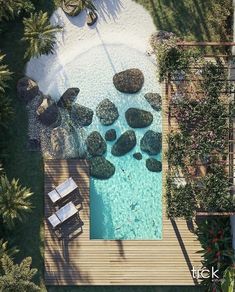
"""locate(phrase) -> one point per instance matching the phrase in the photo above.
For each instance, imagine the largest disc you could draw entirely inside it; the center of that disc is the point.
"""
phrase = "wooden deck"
(81, 261)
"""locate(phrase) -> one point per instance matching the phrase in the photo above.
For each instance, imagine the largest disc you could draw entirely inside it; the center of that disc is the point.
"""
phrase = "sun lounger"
(62, 190)
(54, 196)
(63, 214)
(66, 212)
(66, 187)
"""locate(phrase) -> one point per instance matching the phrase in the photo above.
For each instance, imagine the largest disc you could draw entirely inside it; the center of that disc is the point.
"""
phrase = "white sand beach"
(119, 22)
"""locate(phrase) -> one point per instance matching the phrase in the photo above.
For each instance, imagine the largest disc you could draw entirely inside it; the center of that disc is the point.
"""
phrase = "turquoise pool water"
(127, 206)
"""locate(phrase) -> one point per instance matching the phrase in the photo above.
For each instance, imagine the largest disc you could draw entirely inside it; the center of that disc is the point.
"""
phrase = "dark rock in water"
(34, 145)
(101, 168)
(151, 142)
(27, 89)
(91, 18)
(125, 143)
(82, 115)
(71, 7)
(155, 100)
(48, 112)
(137, 156)
(67, 99)
(129, 81)
(107, 112)
(96, 145)
(153, 165)
(138, 118)
(110, 135)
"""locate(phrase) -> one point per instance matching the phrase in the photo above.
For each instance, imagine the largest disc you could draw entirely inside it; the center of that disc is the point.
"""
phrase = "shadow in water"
(101, 227)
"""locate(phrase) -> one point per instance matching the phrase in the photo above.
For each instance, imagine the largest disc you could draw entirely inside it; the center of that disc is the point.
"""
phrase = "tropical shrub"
(5, 74)
(181, 200)
(17, 278)
(39, 35)
(214, 235)
(228, 281)
(6, 111)
(173, 59)
(11, 8)
(214, 78)
(4, 250)
(14, 201)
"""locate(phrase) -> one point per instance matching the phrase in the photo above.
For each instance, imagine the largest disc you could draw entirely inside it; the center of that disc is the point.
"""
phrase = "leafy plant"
(214, 235)
(228, 281)
(5, 74)
(181, 200)
(6, 111)
(214, 78)
(17, 278)
(4, 250)
(39, 34)
(173, 59)
(11, 8)
(14, 201)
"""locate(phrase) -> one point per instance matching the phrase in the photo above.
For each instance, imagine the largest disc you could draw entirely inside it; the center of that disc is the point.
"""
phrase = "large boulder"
(107, 112)
(27, 89)
(155, 100)
(138, 118)
(68, 98)
(82, 115)
(111, 135)
(101, 168)
(151, 142)
(129, 81)
(153, 165)
(125, 143)
(48, 112)
(96, 145)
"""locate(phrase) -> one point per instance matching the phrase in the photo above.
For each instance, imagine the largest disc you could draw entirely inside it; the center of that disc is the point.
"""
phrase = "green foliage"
(217, 189)
(6, 111)
(14, 201)
(5, 74)
(181, 200)
(214, 78)
(172, 59)
(11, 8)
(214, 235)
(228, 281)
(4, 250)
(39, 34)
(17, 278)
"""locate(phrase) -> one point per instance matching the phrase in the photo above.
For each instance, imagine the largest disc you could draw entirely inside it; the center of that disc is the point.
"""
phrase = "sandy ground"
(119, 22)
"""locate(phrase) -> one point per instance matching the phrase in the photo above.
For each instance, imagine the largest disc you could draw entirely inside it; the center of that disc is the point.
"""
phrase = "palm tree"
(11, 8)
(14, 201)
(5, 74)
(39, 34)
(6, 111)
(4, 250)
(17, 278)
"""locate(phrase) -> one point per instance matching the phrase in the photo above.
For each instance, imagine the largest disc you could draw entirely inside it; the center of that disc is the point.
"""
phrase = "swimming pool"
(127, 206)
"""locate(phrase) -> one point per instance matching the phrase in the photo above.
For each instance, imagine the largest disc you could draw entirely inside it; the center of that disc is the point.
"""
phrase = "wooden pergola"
(231, 137)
